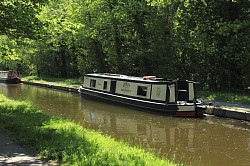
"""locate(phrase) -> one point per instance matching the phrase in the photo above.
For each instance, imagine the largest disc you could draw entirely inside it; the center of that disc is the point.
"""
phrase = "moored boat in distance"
(10, 77)
(148, 93)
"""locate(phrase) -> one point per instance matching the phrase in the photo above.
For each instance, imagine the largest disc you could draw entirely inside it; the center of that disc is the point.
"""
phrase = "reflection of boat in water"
(148, 93)
(194, 141)
(158, 131)
(12, 90)
(10, 77)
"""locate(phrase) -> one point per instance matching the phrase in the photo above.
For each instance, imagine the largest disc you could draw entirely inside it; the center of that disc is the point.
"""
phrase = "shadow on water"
(208, 141)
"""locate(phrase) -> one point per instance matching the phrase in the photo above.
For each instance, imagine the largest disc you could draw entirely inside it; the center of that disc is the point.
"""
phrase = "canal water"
(210, 141)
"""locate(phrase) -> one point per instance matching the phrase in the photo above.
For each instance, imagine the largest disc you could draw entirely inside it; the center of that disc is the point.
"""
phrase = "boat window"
(92, 83)
(142, 90)
(4, 74)
(105, 85)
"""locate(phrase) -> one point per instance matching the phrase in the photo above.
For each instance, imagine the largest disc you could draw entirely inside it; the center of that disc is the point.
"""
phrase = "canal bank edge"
(217, 111)
(229, 113)
(63, 88)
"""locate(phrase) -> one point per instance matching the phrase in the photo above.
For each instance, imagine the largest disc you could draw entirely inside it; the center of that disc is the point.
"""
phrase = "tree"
(56, 47)
(209, 45)
(18, 17)
(202, 40)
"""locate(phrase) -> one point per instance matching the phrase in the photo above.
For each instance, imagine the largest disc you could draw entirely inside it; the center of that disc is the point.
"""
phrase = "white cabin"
(138, 87)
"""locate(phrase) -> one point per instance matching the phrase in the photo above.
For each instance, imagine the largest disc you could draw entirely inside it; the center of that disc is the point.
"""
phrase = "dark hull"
(142, 105)
(11, 81)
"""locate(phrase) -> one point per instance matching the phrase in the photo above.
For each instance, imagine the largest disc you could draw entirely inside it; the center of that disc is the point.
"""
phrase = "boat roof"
(152, 79)
(125, 77)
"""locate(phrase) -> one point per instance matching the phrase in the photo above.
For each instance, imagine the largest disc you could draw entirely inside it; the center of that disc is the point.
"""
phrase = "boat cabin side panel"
(133, 89)
(149, 91)
(159, 92)
(97, 83)
(191, 95)
(4, 74)
(172, 95)
(154, 91)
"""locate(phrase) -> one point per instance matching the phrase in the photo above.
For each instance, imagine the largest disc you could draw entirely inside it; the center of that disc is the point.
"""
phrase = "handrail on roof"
(117, 75)
(149, 77)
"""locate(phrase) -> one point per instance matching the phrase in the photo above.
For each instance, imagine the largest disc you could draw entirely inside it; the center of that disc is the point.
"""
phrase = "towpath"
(239, 106)
(13, 154)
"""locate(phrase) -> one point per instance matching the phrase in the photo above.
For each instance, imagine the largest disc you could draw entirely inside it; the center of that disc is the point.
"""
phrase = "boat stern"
(190, 111)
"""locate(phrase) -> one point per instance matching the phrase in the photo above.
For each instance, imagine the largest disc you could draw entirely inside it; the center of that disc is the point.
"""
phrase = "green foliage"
(56, 47)
(202, 40)
(66, 142)
(18, 18)
(225, 97)
(209, 43)
(9, 57)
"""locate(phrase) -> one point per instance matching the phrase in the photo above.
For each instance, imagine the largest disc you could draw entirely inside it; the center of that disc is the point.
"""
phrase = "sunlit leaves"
(9, 56)
(195, 39)
(18, 18)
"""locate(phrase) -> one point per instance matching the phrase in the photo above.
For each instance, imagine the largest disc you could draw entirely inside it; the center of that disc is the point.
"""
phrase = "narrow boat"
(10, 77)
(148, 93)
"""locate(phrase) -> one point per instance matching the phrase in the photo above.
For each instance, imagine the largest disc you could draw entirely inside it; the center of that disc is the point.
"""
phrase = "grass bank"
(70, 144)
(225, 97)
(67, 82)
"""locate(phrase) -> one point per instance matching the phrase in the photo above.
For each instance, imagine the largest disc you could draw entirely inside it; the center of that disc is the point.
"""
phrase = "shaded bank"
(67, 142)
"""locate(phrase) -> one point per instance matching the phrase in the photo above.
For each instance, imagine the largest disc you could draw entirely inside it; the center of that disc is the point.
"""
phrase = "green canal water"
(210, 141)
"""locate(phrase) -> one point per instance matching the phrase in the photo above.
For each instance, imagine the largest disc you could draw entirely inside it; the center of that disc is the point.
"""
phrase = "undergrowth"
(225, 97)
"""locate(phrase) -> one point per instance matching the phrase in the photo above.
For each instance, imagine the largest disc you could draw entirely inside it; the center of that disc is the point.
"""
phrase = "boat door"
(182, 90)
(185, 91)
(113, 86)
